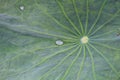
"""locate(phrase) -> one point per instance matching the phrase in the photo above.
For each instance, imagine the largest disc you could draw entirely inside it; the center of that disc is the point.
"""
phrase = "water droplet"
(22, 7)
(84, 39)
(59, 42)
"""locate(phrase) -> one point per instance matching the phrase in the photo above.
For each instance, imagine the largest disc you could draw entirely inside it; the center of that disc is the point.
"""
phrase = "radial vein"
(87, 16)
(31, 51)
(98, 17)
(62, 60)
(70, 35)
(78, 17)
(82, 64)
(62, 8)
(54, 19)
(74, 60)
(103, 25)
(44, 33)
(116, 38)
(58, 77)
(103, 34)
(92, 60)
(50, 34)
(112, 67)
(104, 45)
(46, 58)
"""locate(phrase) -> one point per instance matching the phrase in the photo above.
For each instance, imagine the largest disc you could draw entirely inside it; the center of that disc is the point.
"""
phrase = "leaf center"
(84, 39)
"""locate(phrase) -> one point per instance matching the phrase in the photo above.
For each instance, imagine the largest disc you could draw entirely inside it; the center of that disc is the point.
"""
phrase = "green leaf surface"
(89, 31)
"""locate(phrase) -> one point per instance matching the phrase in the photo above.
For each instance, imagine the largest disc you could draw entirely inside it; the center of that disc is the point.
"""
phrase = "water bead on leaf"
(59, 42)
(22, 7)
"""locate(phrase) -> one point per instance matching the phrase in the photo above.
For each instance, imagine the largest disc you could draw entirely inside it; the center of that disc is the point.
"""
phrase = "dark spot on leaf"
(118, 32)
(118, 78)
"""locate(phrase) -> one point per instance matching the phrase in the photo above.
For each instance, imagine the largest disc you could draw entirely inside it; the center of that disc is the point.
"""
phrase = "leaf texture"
(29, 30)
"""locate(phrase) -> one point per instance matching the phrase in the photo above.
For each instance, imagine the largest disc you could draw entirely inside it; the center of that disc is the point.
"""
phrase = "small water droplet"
(22, 7)
(59, 42)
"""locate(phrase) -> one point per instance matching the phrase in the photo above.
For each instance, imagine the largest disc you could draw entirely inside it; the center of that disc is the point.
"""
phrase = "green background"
(27, 40)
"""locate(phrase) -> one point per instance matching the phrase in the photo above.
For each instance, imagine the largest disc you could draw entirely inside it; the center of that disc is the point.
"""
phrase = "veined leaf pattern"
(88, 29)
